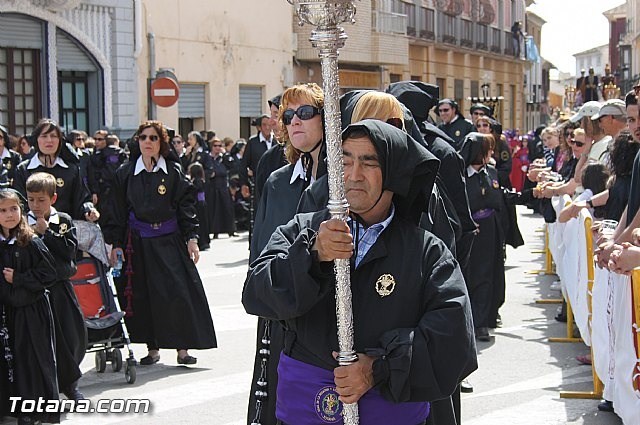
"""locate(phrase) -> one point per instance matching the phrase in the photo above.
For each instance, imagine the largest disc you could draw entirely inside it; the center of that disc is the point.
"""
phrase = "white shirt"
(160, 165)
(5, 153)
(35, 163)
(599, 149)
(298, 172)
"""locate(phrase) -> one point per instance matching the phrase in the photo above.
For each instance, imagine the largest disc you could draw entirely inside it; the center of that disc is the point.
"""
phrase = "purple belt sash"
(152, 230)
(306, 396)
(483, 213)
(201, 197)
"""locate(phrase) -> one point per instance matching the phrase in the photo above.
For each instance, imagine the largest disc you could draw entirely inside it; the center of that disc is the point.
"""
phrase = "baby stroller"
(97, 296)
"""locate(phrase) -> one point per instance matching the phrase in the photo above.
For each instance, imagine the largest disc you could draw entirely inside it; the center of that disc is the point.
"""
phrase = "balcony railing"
(389, 23)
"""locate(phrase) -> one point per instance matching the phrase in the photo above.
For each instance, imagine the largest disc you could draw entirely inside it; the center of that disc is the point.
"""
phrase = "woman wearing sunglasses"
(153, 228)
(300, 122)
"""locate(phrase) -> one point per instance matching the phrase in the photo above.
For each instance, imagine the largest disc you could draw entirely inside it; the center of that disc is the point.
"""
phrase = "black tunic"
(9, 165)
(457, 130)
(102, 171)
(204, 240)
(421, 331)
(73, 194)
(272, 159)
(170, 309)
(29, 323)
(70, 329)
(485, 272)
(219, 202)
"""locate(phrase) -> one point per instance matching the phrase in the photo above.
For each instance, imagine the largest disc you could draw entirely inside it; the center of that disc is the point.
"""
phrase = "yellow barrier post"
(548, 269)
(597, 384)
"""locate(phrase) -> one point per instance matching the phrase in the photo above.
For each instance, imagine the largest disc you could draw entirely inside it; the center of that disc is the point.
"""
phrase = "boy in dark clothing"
(58, 233)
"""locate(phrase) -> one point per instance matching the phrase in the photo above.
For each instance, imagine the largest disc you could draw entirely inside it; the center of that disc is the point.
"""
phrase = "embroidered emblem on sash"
(385, 285)
(457, 133)
(59, 182)
(495, 184)
(63, 228)
(504, 155)
(162, 189)
(7, 165)
(328, 407)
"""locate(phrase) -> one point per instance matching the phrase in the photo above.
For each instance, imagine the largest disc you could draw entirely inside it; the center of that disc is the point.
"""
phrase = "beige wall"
(223, 44)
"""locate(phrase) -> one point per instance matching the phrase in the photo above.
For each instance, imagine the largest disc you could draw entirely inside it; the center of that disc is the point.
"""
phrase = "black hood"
(471, 147)
(408, 168)
(416, 96)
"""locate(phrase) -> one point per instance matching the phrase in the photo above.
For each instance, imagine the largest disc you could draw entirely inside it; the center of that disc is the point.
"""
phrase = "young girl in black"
(27, 360)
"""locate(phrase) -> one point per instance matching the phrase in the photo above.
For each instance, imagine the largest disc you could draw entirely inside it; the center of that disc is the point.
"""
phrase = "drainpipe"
(152, 74)
(137, 13)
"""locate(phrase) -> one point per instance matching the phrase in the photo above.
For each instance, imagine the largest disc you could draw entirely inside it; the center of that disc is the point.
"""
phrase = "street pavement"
(518, 381)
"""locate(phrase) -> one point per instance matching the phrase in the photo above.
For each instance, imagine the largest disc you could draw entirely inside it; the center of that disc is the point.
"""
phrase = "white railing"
(388, 22)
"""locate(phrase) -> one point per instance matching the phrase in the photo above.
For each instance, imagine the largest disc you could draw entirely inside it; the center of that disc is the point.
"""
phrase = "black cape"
(219, 202)
(30, 325)
(272, 159)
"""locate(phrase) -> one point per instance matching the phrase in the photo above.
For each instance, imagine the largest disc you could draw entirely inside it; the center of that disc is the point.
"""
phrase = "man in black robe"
(412, 319)
(9, 158)
(274, 157)
(453, 123)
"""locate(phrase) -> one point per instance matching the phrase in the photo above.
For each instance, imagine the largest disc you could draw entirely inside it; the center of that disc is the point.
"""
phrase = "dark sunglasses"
(98, 138)
(396, 122)
(217, 146)
(305, 112)
(444, 110)
(151, 137)
(575, 142)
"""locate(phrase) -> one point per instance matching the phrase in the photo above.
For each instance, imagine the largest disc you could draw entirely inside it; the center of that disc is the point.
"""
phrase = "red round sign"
(165, 92)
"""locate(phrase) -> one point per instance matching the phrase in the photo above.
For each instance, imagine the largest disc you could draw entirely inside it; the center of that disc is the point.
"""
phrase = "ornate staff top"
(324, 14)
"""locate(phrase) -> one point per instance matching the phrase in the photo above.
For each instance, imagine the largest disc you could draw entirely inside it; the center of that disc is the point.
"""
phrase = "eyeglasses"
(82, 139)
(444, 110)
(98, 138)
(151, 137)
(217, 146)
(177, 142)
(483, 125)
(305, 112)
(396, 122)
(478, 113)
(569, 134)
(575, 142)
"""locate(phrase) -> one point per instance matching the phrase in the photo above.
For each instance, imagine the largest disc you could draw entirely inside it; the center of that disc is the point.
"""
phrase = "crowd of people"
(431, 198)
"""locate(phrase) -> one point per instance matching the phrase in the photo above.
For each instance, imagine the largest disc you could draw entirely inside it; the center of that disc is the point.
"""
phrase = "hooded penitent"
(408, 168)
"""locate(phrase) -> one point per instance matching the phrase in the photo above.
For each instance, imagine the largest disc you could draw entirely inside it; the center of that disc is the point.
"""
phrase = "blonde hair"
(579, 132)
(308, 93)
(552, 131)
(378, 106)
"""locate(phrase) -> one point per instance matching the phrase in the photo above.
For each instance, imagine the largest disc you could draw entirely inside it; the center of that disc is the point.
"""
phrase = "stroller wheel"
(130, 373)
(116, 360)
(101, 361)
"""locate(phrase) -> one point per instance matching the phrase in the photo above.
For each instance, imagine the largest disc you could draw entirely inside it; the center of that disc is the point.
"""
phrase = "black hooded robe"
(219, 203)
(30, 324)
(304, 298)
(168, 303)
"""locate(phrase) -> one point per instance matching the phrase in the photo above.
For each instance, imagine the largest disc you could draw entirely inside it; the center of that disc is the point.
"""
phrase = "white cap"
(614, 107)
(589, 109)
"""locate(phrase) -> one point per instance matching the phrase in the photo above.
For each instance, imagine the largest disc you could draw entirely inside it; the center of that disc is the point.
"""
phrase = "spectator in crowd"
(9, 158)
(24, 148)
(453, 123)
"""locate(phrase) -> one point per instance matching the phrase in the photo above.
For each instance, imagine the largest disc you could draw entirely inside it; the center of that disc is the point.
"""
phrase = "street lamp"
(326, 16)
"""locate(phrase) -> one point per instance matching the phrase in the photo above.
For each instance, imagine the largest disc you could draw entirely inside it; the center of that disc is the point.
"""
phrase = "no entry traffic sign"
(165, 91)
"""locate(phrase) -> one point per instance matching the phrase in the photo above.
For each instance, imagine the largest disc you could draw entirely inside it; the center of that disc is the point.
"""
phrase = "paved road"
(518, 381)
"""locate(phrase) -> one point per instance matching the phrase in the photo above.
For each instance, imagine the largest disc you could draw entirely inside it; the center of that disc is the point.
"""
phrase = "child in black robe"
(27, 339)
(56, 230)
(196, 173)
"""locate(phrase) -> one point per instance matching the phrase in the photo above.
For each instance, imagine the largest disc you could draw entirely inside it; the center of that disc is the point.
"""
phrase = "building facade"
(596, 58)
(460, 45)
(624, 41)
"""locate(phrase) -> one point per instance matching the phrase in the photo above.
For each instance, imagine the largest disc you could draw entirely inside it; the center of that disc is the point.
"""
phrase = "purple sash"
(483, 213)
(152, 230)
(201, 197)
(306, 395)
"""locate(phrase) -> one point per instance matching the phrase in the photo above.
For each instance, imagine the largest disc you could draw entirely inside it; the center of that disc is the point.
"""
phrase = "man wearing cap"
(453, 123)
(478, 110)
(412, 330)
(612, 117)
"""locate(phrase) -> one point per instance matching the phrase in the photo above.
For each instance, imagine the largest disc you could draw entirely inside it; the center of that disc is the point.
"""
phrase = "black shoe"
(561, 317)
(187, 360)
(215, 236)
(466, 387)
(74, 394)
(232, 235)
(605, 406)
(482, 334)
(498, 321)
(149, 360)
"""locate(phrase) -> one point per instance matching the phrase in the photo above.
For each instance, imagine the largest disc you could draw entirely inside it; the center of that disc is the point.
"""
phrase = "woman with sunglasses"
(55, 157)
(153, 228)
(300, 122)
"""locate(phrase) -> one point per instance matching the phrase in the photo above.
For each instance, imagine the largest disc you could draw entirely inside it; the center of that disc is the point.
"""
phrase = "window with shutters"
(73, 100)
(20, 91)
